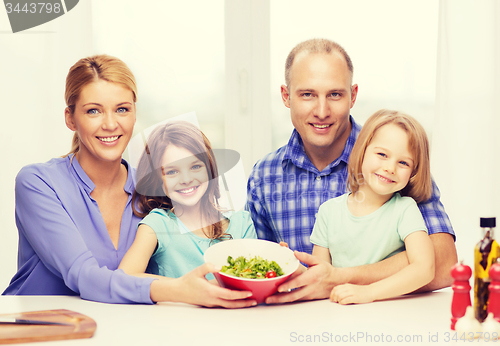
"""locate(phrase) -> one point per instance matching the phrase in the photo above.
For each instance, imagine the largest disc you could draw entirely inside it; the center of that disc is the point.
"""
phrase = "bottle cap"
(488, 222)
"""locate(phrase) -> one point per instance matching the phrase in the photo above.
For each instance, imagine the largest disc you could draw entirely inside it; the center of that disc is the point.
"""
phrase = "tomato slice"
(270, 274)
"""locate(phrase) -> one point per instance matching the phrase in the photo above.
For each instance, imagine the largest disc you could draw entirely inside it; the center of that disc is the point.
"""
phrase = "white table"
(421, 319)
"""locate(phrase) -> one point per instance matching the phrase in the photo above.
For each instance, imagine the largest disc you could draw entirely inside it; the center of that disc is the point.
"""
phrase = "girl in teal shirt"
(177, 193)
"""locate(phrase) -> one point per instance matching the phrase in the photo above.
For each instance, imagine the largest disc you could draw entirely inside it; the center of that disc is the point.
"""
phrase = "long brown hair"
(419, 186)
(91, 69)
(149, 193)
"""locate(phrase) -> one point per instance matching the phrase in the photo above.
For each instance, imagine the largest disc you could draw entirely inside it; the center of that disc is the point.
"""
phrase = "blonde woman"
(74, 214)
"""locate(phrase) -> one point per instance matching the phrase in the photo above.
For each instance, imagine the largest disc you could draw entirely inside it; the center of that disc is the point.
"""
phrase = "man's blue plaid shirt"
(285, 191)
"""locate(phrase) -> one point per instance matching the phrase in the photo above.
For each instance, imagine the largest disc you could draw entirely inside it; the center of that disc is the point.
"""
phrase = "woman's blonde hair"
(91, 69)
(149, 193)
(419, 186)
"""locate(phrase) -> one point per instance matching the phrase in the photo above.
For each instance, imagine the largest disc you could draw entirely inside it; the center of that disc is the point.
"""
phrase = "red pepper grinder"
(461, 291)
(494, 288)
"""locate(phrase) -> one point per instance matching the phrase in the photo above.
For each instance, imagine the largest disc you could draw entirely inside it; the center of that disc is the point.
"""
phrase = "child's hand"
(351, 294)
(282, 243)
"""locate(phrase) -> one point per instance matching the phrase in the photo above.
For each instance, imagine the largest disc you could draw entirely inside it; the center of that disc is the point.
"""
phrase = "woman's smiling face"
(185, 177)
(104, 120)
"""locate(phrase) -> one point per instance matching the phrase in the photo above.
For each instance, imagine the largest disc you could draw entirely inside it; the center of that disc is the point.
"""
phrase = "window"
(393, 46)
(176, 51)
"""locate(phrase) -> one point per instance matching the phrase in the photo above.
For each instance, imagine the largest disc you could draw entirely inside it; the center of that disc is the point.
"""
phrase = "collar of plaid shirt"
(285, 191)
(296, 154)
(291, 194)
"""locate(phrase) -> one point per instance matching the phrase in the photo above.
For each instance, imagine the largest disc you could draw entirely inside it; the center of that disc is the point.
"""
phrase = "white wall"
(466, 143)
(33, 67)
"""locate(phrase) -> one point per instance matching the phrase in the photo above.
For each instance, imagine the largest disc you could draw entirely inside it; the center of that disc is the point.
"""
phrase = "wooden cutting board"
(80, 327)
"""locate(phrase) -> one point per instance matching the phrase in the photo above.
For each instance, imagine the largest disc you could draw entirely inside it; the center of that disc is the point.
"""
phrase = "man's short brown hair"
(315, 45)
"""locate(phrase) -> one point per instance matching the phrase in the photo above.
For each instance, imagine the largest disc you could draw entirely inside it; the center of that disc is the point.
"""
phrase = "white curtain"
(465, 143)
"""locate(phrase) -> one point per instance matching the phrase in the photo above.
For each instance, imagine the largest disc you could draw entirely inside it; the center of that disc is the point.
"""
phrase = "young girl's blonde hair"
(149, 193)
(419, 186)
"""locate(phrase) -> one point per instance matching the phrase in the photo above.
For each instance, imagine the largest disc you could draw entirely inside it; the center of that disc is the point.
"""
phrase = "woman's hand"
(194, 288)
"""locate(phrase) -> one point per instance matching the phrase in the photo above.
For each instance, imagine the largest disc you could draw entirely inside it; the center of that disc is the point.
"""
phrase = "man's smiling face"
(320, 97)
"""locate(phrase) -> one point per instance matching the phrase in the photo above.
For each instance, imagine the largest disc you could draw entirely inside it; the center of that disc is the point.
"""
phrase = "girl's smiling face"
(185, 177)
(387, 164)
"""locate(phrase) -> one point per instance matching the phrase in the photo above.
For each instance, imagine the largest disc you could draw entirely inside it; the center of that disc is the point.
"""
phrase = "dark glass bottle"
(485, 254)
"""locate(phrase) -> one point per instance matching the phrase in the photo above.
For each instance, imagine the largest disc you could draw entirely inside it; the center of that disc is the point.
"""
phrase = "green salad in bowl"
(254, 265)
(252, 268)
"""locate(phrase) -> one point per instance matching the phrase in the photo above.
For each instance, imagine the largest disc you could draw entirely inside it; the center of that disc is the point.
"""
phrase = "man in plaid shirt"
(287, 186)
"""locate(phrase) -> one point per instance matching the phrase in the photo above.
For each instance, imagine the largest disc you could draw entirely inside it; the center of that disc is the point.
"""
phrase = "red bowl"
(261, 288)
